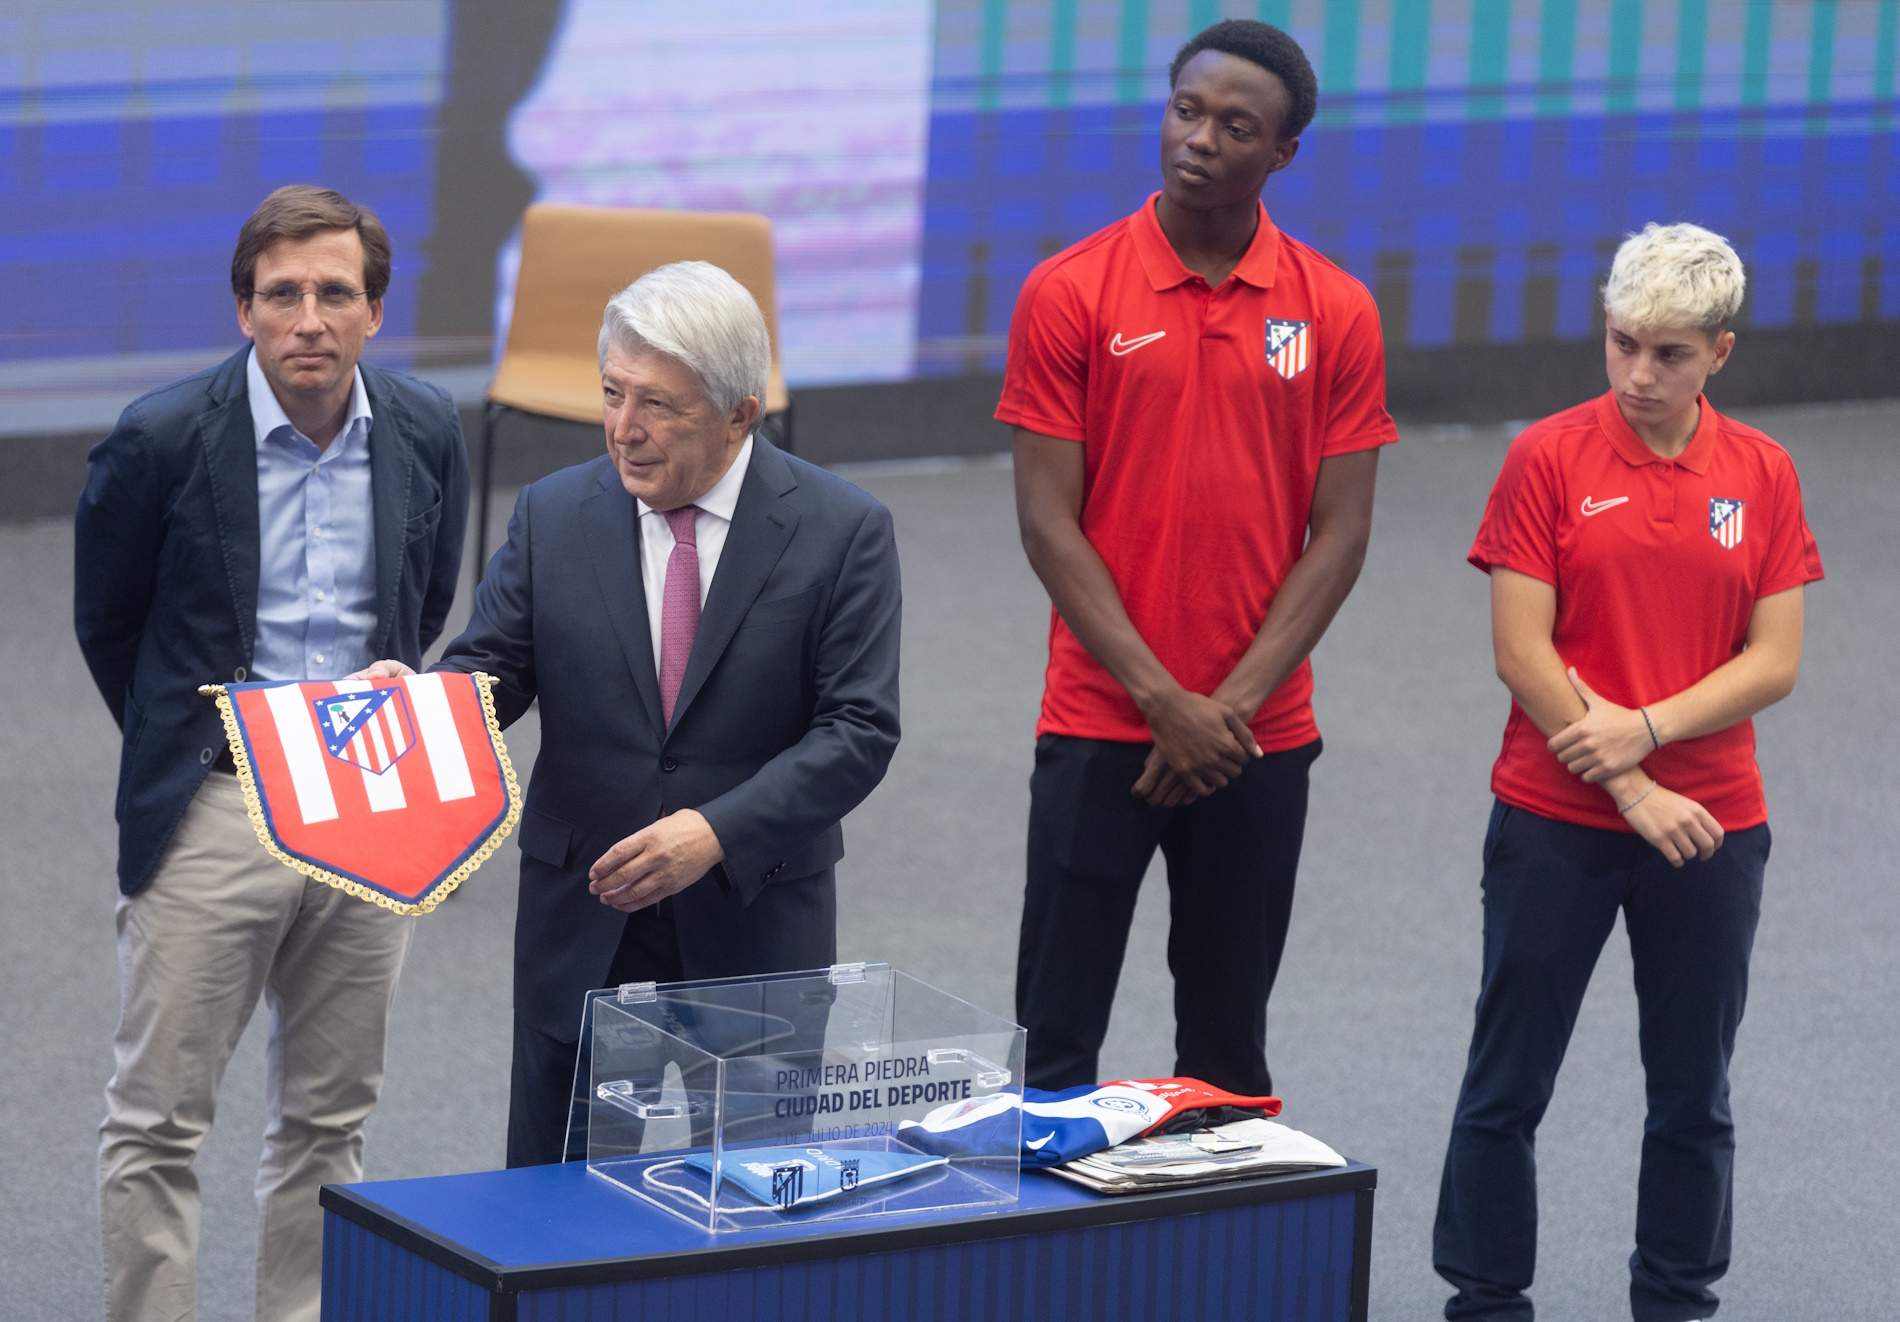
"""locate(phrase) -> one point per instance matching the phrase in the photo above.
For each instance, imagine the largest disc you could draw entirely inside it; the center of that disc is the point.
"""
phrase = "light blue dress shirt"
(316, 551)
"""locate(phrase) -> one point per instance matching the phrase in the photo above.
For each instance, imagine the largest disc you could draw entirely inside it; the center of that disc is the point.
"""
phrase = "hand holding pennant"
(393, 789)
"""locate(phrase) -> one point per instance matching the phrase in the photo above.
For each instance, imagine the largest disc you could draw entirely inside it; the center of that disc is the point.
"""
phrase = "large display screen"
(1474, 161)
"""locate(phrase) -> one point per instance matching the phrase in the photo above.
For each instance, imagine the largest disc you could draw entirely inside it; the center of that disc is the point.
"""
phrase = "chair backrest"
(573, 259)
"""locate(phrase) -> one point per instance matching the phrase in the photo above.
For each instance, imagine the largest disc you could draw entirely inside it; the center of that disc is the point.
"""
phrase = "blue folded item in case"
(797, 1177)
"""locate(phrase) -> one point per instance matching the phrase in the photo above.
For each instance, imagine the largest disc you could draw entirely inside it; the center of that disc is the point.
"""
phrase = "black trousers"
(1552, 891)
(1231, 862)
(541, 1093)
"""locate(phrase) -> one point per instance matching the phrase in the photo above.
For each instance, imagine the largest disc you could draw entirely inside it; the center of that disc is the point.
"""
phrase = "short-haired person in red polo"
(1647, 557)
(1198, 402)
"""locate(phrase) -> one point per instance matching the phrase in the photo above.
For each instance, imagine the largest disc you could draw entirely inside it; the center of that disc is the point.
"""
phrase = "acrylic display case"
(800, 1097)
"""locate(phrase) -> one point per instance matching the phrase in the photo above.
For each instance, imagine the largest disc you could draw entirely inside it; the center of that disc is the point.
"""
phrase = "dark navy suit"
(786, 719)
(166, 566)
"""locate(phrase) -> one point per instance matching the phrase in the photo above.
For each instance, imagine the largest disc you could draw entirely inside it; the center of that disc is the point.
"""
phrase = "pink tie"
(679, 607)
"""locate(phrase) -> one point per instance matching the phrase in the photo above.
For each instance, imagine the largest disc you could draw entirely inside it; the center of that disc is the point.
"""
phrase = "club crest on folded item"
(371, 728)
(1289, 346)
(788, 1183)
(1725, 521)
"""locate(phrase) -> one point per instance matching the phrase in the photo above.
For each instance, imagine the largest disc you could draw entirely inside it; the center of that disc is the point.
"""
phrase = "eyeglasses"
(286, 299)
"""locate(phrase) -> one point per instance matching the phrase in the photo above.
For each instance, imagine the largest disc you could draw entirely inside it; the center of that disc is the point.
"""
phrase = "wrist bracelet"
(1654, 742)
(1624, 808)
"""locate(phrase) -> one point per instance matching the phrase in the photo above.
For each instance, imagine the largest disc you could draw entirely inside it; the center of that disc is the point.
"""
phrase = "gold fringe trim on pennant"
(254, 808)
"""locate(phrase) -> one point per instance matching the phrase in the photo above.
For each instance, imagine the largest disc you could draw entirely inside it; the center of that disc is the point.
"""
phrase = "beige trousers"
(219, 923)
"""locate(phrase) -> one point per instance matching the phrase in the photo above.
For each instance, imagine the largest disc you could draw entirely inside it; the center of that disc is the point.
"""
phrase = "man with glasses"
(287, 514)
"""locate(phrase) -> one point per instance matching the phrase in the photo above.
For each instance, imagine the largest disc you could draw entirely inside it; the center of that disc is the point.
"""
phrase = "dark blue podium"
(554, 1244)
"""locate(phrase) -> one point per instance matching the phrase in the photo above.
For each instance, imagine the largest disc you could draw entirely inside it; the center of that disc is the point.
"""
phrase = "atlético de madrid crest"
(1725, 521)
(368, 728)
(1289, 346)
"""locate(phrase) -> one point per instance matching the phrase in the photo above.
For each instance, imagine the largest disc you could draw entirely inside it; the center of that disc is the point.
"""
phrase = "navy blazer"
(786, 718)
(166, 564)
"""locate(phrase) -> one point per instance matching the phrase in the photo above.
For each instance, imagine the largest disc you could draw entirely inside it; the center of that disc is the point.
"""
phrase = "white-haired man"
(710, 627)
(1647, 560)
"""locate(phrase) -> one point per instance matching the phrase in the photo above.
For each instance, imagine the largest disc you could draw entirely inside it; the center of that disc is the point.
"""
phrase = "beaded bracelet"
(1654, 742)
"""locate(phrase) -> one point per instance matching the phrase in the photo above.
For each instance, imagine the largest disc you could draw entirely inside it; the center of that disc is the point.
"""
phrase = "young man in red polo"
(1198, 401)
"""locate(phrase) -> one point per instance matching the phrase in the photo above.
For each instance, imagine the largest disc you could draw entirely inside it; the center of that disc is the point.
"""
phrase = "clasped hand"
(1605, 741)
(656, 861)
(1678, 826)
(1604, 747)
(1201, 744)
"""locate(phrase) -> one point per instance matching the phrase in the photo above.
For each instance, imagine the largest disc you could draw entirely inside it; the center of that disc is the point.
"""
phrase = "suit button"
(240, 674)
(669, 764)
(204, 757)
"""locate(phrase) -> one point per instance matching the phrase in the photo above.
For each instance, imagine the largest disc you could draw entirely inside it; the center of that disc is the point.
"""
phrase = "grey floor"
(1369, 1025)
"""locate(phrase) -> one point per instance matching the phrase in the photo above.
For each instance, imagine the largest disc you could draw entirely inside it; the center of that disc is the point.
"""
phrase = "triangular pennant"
(394, 790)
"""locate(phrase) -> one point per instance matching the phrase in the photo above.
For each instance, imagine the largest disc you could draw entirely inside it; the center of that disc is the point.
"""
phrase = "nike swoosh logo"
(1122, 348)
(1595, 507)
(1036, 1143)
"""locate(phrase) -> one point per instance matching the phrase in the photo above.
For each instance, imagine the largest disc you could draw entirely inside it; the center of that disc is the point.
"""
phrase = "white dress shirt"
(709, 531)
(316, 544)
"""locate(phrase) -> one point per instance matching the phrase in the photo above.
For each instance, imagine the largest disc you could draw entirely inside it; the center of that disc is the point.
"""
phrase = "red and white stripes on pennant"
(441, 741)
(303, 749)
(380, 743)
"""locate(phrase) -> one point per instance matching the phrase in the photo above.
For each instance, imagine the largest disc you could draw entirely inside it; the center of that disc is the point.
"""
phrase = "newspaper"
(1243, 1149)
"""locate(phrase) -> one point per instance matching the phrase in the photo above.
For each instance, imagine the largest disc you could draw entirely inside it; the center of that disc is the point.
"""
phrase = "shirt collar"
(723, 498)
(1164, 267)
(268, 416)
(1694, 457)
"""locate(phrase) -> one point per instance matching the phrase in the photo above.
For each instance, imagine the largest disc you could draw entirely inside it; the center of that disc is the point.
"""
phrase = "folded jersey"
(1073, 1122)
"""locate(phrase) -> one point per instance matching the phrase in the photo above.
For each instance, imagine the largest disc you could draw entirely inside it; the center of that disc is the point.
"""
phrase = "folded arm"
(1523, 617)
(1608, 738)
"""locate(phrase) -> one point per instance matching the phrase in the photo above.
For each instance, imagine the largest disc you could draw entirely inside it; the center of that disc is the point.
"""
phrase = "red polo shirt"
(1658, 564)
(1204, 414)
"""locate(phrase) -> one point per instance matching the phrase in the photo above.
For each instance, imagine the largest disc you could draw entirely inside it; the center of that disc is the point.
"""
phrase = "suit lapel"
(230, 444)
(613, 543)
(762, 527)
(391, 471)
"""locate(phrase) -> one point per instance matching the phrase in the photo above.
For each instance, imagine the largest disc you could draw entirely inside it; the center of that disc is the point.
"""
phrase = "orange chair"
(573, 259)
